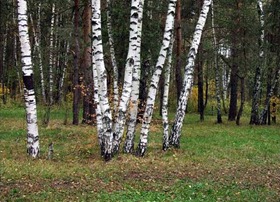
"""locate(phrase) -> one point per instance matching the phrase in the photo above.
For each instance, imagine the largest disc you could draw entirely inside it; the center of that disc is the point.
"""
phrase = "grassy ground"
(215, 163)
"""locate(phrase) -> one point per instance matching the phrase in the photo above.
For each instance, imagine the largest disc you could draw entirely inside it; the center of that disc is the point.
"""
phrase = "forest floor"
(216, 162)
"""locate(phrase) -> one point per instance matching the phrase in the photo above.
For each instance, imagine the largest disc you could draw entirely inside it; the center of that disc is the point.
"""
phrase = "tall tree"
(87, 87)
(257, 81)
(51, 59)
(188, 78)
(29, 92)
(216, 66)
(133, 108)
(113, 56)
(169, 25)
(178, 67)
(165, 122)
(128, 77)
(37, 42)
(97, 51)
(76, 80)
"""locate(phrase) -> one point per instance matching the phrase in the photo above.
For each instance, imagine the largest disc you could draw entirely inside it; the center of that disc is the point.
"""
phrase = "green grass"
(215, 163)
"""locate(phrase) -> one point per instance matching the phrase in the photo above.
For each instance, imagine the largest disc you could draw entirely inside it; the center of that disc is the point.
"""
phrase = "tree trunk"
(178, 67)
(51, 60)
(113, 57)
(38, 50)
(200, 84)
(257, 81)
(133, 111)
(1, 45)
(264, 116)
(165, 123)
(242, 101)
(86, 64)
(233, 85)
(97, 50)
(217, 70)
(128, 77)
(64, 70)
(169, 25)
(188, 79)
(29, 92)
(76, 80)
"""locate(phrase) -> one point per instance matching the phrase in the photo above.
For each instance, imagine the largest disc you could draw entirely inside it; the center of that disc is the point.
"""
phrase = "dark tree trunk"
(242, 80)
(161, 89)
(200, 84)
(233, 92)
(86, 66)
(178, 71)
(233, 80)
(76, 80)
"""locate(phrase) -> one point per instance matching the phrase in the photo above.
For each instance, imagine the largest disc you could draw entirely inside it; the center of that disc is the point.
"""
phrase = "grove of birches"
(118, 62)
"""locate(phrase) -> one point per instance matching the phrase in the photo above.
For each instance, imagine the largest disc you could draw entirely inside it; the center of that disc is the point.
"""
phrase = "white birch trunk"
(98, 112)
(61, 83)
(165, 122)
(217, 70)
(257, 81)
(29, 93)
(188, 78)
(97, 50)
(113, 57)
(38, 49)
(169, 25)
(133, 111)
(127, 85)
(51, 60)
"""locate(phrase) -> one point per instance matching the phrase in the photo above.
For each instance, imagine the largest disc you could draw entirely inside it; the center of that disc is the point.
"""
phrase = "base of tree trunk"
(108, 156)
(165, 146)
(219, 119)
(141, 149)
(174, 142)
(128, 149)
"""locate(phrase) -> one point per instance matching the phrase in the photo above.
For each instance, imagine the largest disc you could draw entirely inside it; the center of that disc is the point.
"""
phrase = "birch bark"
(188, 78)
(113, 57)
(38, 49)
(129, 68)
(169, 25)
(133, 111)
(257, 81)
(97, 50)
(217, 70)
(29, 93)
(51, 60)
(165, 123)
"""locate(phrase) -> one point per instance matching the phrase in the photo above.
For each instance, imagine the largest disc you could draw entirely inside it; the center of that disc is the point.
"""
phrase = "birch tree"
(129, 68)
(51, 59)
(29, 92)
(217, 70)
(113, 56)
(131, 126)
(97, 50)
(188, 77)
(257, 80)
(165, 122)
(169, 25)
(37, 42)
